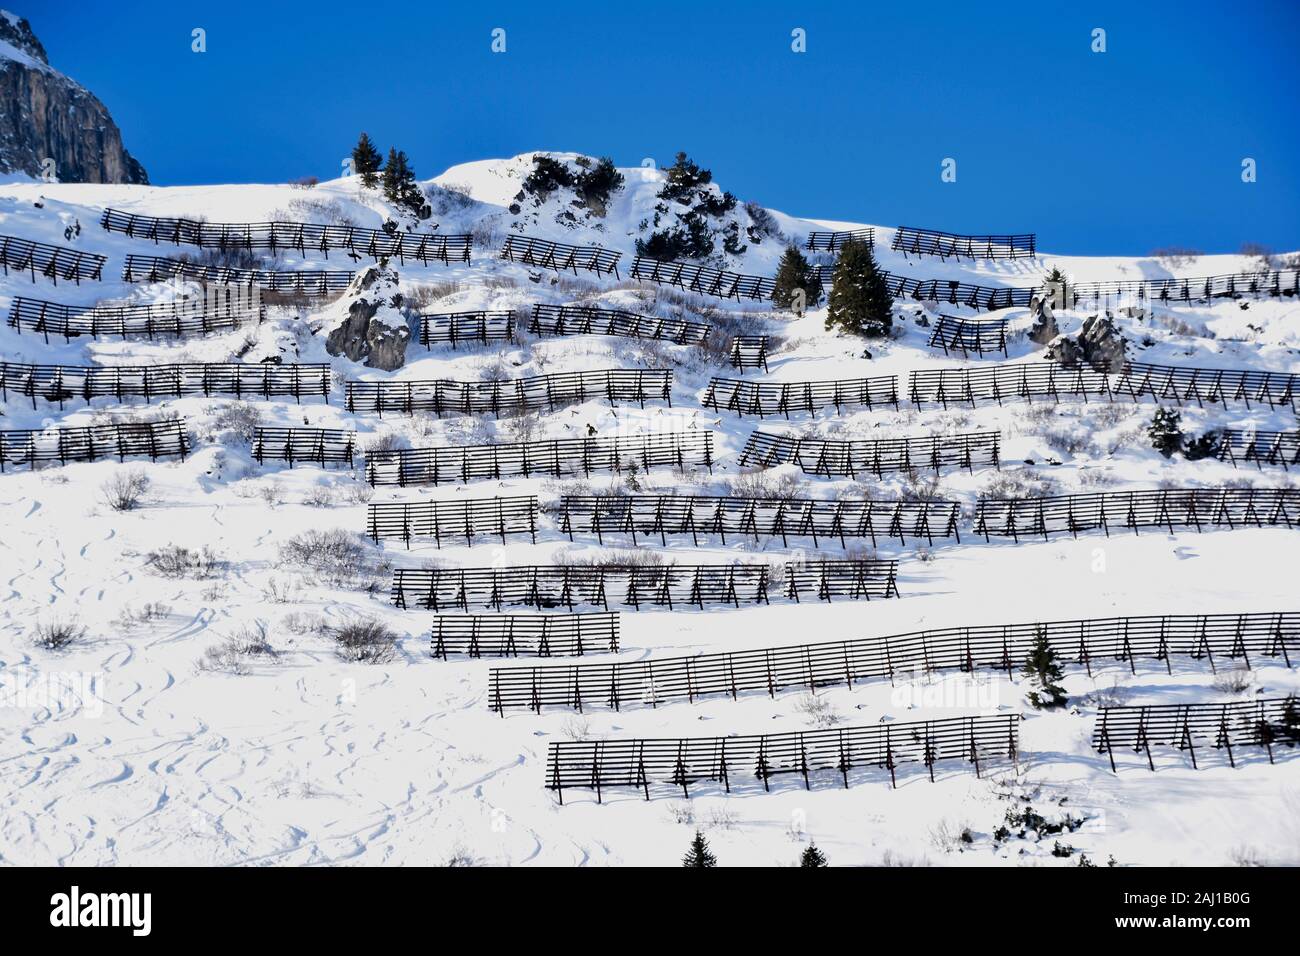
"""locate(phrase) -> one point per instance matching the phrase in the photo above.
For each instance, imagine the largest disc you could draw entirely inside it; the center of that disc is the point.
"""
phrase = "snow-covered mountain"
(210, 713)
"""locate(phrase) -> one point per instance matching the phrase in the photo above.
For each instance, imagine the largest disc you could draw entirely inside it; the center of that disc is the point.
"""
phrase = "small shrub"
(1165, 434)
(357, 493)
(58, 633)
(1234, 680)
(320, 496)
(236, 421)
(366, 641)
(338, 556)
(817, 710)
(124, 490)
(176, 561)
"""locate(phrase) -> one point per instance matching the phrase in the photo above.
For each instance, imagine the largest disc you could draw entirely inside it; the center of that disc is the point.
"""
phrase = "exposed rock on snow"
(367, 324)
(1044, 328)
(47, 116)
(1099, 344)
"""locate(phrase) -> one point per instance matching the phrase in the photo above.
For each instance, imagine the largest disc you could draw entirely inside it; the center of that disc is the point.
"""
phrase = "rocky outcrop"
(45, 116)
(1044, 328)
(367, 323)
(1099, 344)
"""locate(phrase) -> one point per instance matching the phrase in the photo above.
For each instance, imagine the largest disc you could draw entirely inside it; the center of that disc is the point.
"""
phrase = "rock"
(1063, 350)
(1044, 328)
(1103, 344)
(368, 325)
(46, 116)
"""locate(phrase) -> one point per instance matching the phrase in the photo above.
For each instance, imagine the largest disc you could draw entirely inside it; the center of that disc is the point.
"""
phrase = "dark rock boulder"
(367, 323)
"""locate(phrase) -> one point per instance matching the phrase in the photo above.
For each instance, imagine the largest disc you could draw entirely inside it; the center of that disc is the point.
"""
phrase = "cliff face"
(44, 114)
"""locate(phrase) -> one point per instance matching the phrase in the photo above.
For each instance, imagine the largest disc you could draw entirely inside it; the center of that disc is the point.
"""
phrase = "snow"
(120, 750)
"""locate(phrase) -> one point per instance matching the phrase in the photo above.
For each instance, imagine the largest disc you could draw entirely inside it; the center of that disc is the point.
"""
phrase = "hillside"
(207, 714)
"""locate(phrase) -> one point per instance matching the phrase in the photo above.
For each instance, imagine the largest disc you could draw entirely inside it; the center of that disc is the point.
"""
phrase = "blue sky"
(1118, 152)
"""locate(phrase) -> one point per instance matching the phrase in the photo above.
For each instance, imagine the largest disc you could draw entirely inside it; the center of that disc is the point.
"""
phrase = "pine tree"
(1043, 671)
(792, 274)
(699, 854)
(366, 161)
(400, 187)
(1165, 434)
(860, 303)
(813, 856)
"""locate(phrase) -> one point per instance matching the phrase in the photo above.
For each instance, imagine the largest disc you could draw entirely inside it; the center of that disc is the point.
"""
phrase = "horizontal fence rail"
(1202, 288)
(834, 457)
(911, 656)
(554, 457)
(834, 241)
(296, 445)
(52, 262)
(955, 292)
(1135, 381)
(64, 383)
(119, 440)
(515, 635)
(1167, 508)
(781, 398)
(443, 396)
(670, 585)
(749, 351)
(452, 520)
(303, 236)
(955, 334)
(584, 320)
(180, 318)
(559, 256)
(1261, 448)
(158, 269)
(662, 515)
(703, 280)
(745, 761)
(1245, 723)
(932, 242)
(453, 328)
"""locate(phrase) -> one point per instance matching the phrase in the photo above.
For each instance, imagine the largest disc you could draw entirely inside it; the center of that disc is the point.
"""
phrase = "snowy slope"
(122, 750)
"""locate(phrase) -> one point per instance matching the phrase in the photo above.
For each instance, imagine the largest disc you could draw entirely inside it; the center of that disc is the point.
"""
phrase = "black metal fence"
(823, 521)
(452, 520)
(954, 333)
(52, 262)
(64, 383)
(749, 351)
(834, 457)
(834, 241)
(549, 392)
(703, 280)
(1261, 448)
(536, 635)
(183, 317)
(667, 585)
(781, 398)
(1274, 283)
(559, 256)
(1135, 381)
(453, 328)
(157, 269)
(296, 445)
(585, 320)
(1167, 508)
(554, 457)
(915, 655)
(161, 439)
(932, 242)
(745, 761)
(1270, 723)
(304, 236)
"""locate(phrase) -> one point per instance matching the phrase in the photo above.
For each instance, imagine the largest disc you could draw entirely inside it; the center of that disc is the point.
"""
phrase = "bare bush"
(365, 641)
(58, 633)
(146, 614)
(1018, 483)
(320, 496)
(235, 422)
(357, 493)
(338, 556)
(576, 727)
(817, 710)
(125, 489)
(767, 485)
(1233, 680)
(235, 654)
(177, 561)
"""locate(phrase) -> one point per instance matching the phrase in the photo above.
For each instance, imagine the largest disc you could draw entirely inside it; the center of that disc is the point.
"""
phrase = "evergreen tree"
(813, 856)
(1165, 434)
(1207, 446)
(699, 854)
(1043, 671)
(860, 302)
(547, 176)
(366, 161)
(684, 177)
(792, 274)
(400, 187)
(595, 184)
